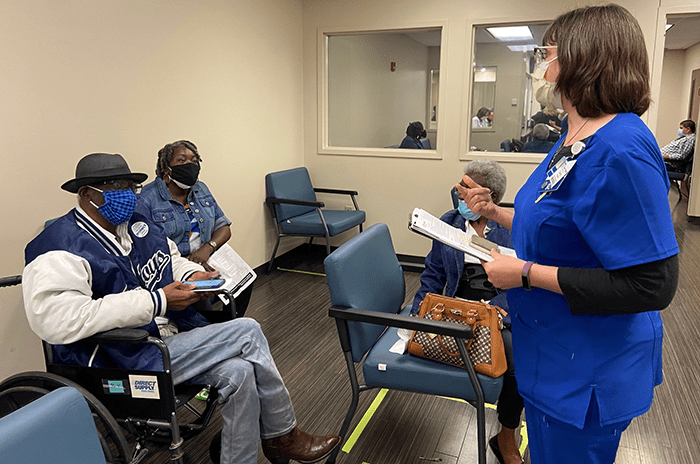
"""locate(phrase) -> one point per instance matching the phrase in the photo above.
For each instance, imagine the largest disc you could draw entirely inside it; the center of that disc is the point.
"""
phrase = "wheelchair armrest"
(289, 201)
(403, 322)
(10, 281)
(338, 191)
(120, 336)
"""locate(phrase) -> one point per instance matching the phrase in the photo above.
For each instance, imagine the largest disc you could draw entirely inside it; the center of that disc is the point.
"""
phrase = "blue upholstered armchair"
(56, 428)
(296, 212)
(367, 292)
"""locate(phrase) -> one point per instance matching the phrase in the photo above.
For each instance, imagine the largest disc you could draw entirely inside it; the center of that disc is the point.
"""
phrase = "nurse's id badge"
(555, 176)
(557, 173)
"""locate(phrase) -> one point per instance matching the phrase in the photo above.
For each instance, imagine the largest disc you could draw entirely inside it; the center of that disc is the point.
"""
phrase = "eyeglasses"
(123, 184)
(541, 55)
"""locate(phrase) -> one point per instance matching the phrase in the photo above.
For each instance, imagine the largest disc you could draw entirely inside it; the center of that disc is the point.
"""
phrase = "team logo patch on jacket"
(152, 272)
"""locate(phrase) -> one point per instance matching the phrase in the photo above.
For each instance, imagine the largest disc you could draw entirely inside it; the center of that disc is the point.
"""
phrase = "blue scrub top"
(611, 211)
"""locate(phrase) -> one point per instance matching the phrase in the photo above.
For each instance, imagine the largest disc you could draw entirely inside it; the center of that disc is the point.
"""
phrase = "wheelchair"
(144, 403)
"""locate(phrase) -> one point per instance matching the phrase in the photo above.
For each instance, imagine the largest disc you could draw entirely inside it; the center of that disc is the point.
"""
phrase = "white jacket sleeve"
(183, 268)
(57, 289)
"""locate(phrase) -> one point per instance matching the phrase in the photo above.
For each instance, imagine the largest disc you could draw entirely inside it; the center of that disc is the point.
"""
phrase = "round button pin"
(578, 147)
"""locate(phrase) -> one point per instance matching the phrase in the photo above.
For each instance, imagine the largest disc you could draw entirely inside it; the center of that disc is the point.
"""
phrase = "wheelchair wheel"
(21, 389)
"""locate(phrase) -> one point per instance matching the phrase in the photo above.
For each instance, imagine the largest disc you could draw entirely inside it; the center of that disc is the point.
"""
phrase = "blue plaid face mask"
(119, 205)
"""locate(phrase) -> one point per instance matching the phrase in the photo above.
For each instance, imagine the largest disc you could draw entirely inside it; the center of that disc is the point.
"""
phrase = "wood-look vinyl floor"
(408, 428)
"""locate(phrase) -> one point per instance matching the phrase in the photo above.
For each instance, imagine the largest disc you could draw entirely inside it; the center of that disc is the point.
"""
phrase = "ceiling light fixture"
(511, 33)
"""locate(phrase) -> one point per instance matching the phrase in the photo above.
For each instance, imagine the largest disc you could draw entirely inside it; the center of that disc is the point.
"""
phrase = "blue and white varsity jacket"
(80, 279)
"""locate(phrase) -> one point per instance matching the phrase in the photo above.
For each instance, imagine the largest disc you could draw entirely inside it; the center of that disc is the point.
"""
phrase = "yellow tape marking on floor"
(347, 447)
(365, 420)
(523, 434)
(301, 272)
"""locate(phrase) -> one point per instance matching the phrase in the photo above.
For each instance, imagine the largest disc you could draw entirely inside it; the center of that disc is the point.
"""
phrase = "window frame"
(323, 148)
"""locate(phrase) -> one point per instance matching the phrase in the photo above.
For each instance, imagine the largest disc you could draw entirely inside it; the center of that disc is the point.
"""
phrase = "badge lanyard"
(557, 173)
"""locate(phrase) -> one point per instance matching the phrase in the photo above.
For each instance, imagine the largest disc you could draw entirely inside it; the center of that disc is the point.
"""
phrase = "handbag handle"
(437, 313)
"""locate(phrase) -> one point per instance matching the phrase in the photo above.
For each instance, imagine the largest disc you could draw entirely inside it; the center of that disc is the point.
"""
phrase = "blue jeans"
(234, 357)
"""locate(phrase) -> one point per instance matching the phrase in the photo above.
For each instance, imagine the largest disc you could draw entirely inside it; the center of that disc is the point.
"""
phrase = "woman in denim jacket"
(183, 205)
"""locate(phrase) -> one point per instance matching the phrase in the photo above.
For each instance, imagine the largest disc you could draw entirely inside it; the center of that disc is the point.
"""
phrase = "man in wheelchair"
(102, 266)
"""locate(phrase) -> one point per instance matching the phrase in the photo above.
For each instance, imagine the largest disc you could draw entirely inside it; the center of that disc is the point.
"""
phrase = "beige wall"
(80, 76)
(672, 107)
(692, 62)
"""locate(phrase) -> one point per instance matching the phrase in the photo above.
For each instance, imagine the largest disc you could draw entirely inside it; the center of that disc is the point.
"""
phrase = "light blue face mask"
(680, 133)
(466, 212)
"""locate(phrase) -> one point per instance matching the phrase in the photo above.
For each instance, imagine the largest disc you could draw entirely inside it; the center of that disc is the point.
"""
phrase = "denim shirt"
(156, 202)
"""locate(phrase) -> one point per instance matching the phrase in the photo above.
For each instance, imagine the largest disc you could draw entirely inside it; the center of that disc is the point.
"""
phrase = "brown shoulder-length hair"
(603, 62)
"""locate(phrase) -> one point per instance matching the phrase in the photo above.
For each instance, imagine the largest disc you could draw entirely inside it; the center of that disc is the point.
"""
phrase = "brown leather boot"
(299, 446)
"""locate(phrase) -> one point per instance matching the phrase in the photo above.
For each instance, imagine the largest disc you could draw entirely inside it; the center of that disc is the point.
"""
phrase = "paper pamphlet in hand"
(424, 223)
(237, 273)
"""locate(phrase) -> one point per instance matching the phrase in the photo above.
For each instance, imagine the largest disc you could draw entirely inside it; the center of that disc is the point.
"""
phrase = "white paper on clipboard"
(238, 274)
(424, 223)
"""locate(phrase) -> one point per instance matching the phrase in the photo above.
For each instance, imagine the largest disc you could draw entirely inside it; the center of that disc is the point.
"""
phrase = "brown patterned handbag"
(485, 350)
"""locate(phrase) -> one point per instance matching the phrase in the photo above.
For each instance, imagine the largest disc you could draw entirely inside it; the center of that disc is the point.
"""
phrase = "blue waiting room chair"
(296, 211)
(367, 289)
(56, 427)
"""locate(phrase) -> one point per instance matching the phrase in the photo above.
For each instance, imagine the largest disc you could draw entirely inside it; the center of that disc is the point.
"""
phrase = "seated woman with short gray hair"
(453, 273)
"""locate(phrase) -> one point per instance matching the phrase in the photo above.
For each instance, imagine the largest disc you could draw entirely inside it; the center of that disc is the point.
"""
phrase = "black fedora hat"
(100, 167)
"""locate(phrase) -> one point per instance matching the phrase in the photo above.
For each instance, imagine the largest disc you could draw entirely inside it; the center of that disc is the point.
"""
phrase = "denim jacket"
(444, 265)
(156, 202)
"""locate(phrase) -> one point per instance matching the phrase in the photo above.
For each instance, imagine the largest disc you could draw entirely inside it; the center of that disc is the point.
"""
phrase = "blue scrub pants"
(555, 442)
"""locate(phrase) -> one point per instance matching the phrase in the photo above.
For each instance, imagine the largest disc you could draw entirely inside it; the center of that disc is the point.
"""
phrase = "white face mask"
(544, 91)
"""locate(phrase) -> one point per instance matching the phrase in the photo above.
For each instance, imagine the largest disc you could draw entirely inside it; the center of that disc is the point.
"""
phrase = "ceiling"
(684, 33)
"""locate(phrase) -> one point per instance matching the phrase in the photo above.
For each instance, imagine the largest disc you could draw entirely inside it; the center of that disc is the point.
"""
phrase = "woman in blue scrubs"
(597, 255)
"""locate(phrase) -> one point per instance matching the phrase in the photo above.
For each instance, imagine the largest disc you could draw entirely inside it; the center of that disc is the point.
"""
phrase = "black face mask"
(423, 134)
(185, 174)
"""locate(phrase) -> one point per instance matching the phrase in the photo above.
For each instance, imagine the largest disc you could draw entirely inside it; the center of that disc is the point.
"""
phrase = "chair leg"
(351, 410)
(328, 245)
(480, 405)
(274, 252)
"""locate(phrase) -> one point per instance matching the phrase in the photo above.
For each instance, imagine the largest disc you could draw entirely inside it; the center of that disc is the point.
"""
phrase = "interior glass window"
(504, 111)
(378, 83)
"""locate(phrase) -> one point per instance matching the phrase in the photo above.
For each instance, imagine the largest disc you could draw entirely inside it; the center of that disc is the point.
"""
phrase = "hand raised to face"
(477, 198)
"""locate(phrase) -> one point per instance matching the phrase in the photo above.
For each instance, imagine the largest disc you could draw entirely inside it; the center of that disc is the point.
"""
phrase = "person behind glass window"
(482, 118)
(414, 132)
(597, 257)
(676, 153)
(539, 142)
(453, 273)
